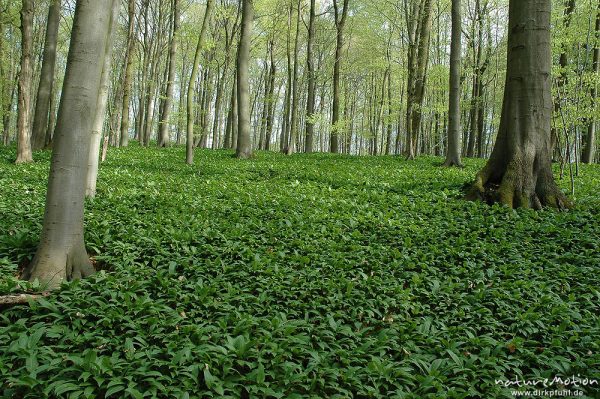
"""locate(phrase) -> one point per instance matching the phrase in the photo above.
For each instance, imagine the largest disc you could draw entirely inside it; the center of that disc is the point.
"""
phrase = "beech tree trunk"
(24, 101)
(189, 145)
(100, 112)
(291, 145)
(124, 140)
(163, 133)
(340, 21)
(61, 254)
(244, 139)
(454, 131)
(310, 97)
(589, 142)
(40, 119)
(519, 171)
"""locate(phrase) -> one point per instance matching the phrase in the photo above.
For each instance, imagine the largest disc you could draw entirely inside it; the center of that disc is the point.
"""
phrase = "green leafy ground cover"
(311, 276)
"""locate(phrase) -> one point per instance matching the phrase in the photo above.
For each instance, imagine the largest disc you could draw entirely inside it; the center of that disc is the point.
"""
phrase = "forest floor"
(310, 276)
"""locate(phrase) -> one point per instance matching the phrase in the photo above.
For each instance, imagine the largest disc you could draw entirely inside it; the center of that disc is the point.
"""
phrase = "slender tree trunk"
(189, 159)
(418, 94)
(163, 135)
(128, 74)
(272, 100)
(24, 100)
(310, 98)
(40, 119)
(61, 254)
(454, 130)
(589, 144)
(291, 147)
(244, 139)
(100, 111)
(340, 22)
(519, 171)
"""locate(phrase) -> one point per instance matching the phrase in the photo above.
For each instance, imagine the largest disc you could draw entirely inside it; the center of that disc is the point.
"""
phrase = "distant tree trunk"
(231, 124)
(163, 134)
(61, 254)
(244, 139)
(417, 86)
(340, 22)
(589, 142)
(519, 171)
(189, 159)
(100, 111)
(51, 121)
(40, 119)
(310, 98)
(272, 100)
(6, 118)
(563, 62)
(291, 145)
(128, 73)
(24, 103)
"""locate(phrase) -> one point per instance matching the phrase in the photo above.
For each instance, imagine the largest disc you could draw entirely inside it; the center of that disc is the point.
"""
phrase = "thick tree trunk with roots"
(61, 254)
(519, 171)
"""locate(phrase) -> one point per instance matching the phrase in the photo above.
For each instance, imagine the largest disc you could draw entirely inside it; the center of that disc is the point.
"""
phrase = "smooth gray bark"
(454, 130)
(61, 254)
(244, 139)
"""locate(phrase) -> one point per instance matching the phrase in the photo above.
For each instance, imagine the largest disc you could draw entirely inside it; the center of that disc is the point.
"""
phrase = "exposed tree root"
(452, 163)
(18, 299)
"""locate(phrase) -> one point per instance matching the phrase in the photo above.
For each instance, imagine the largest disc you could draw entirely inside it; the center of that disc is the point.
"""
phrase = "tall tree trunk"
(189, 158)
(272, 100)
(454, 131)
(519, 171)
(25, 78)
(310, 98)
(61, 254)
(291, 147)
(340, 22)
(563, 62)
(589, 143)
(100, 111)
(40, 119)
(128, 73)
(163, 134)
(244, 139)
(420, 76)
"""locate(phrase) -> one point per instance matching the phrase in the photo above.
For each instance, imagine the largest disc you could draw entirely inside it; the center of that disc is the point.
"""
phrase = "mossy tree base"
(518, 185)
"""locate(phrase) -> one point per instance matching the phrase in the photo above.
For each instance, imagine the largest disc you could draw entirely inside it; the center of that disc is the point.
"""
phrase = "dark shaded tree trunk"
(519, 171)
(40, 119)
(589, 142)
(416, 92)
